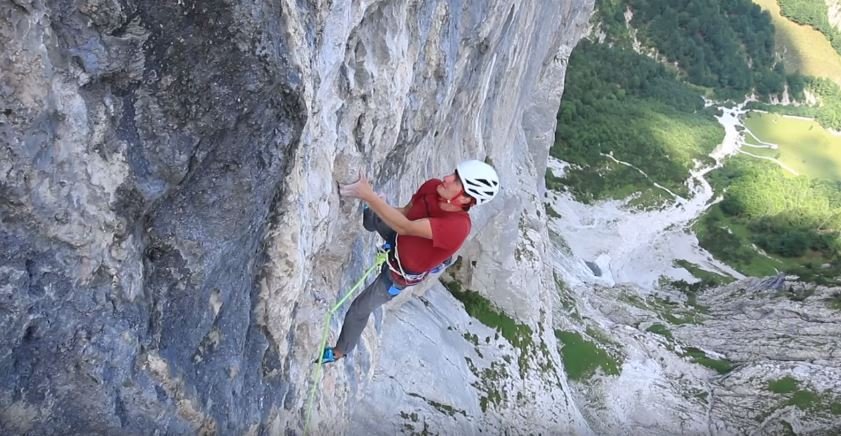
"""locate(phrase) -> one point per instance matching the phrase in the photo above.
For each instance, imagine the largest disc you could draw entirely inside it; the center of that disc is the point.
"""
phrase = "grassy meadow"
(803, 144)
(803, 48)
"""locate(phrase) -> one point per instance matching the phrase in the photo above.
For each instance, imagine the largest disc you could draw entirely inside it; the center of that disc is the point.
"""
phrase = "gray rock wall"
(144, 147)
(170, 227)
(709, 366)
(172, 236)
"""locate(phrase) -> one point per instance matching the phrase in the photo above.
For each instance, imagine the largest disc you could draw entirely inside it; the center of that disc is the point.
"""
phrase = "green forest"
(609, 89)
(795, 219)
(619, 104)
(812, 13)
(727, 47)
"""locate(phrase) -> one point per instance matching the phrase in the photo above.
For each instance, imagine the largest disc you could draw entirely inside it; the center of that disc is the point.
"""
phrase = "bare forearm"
(392, 216)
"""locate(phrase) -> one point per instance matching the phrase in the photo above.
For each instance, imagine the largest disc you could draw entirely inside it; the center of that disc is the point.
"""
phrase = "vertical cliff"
(172, 234)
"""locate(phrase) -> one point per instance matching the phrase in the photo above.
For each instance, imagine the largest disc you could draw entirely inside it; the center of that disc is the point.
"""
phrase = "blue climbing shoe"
(327, 356)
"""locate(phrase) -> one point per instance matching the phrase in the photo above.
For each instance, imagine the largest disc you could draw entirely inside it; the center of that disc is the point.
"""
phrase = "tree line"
(827, 111)
(791, 217)
(725, 46)
(621, 103)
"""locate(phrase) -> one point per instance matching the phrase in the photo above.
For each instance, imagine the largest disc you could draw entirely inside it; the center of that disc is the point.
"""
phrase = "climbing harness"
(380, 258)
(408, 279)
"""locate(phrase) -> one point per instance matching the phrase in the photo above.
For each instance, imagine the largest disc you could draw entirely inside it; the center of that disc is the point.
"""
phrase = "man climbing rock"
(424, 235)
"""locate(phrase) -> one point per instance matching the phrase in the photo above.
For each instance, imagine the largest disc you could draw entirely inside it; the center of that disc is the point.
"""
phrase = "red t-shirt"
(449, 230)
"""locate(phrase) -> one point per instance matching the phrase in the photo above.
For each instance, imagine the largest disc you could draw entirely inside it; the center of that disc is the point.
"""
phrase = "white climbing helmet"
(479, 180)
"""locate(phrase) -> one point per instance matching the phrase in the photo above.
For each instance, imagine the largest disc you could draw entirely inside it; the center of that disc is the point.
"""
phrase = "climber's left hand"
(360, 189)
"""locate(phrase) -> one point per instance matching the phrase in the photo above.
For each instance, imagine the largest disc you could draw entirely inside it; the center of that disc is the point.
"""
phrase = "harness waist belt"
(404, 277)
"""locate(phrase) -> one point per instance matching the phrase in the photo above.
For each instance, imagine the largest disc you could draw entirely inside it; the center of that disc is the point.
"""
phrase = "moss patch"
(834, 301)
(554, 183)
(708, 278)
(519, 335)
(674, 313)
(722, 366)
(661, 330)
(472, 338)
(805, 399)
(582, 358)
(441, 407)
(551, 211)
(668, 310)
(784, 385)
(566, 298)
(489, 383)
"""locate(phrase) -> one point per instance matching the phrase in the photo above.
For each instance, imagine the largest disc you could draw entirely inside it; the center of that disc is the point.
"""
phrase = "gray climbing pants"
(374, 296)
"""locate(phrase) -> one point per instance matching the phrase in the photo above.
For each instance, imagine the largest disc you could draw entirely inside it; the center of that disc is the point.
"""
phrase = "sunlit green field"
(764, 152)
(759, 151)
(805, 146)
(803, 48)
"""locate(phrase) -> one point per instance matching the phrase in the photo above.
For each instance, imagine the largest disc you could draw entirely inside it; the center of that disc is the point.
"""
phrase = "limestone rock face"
(758, 356)
(144, 147)
(171, 231)
(173, 237)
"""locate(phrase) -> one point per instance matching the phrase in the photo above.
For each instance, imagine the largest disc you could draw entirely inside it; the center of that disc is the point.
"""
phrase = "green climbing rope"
(379, 260)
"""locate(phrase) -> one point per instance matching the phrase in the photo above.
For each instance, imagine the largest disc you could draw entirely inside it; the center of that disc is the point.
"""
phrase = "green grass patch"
(784, 385)
(707, 280)
(566, 298)
(669, 311)
(582, 358)
(805, 399)
(834, 301)
(441, 407)
(551, 211)
(477, 306)
(661, 330)
(803, 48)
(554, 183)
(488, 383)
(762, 152)
(674, 313)
(804, 145)
(754, 146)
(722, 366)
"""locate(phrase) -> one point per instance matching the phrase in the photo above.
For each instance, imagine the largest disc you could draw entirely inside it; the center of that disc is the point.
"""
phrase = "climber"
(424, 234)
